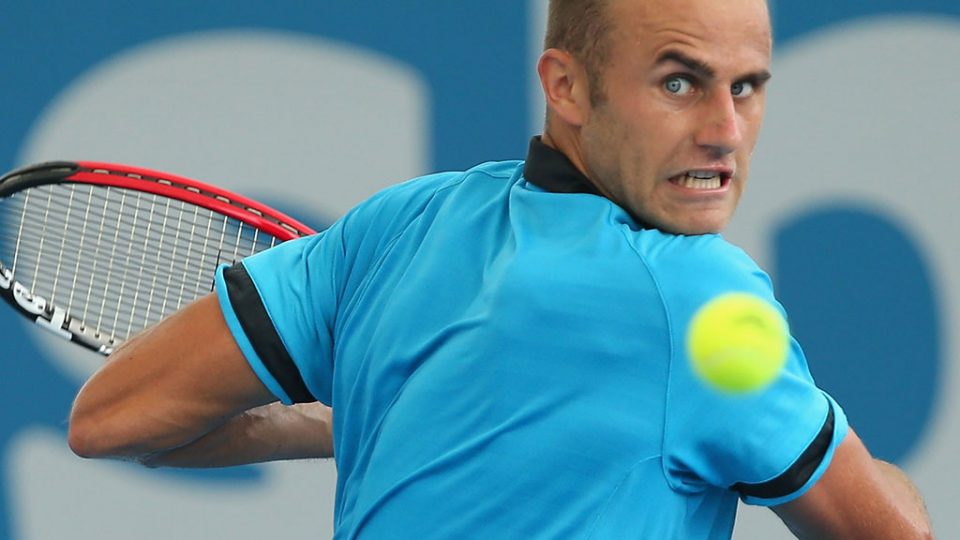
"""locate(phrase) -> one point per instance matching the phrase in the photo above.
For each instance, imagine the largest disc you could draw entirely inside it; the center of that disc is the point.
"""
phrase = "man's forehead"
(718, 27)
(707, 17)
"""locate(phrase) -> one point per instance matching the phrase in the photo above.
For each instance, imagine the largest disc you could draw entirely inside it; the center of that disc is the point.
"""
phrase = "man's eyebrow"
(704, 70)
(698, 67)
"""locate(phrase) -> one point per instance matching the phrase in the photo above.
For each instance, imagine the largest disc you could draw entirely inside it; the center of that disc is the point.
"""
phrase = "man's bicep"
(852, 499)
(166, 387)
(208, 367)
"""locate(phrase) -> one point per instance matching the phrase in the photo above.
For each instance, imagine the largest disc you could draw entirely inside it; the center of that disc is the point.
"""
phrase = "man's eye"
(678, 86)
(742, 89)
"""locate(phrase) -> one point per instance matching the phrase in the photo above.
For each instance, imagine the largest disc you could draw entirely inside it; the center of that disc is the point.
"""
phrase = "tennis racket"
(96, 252)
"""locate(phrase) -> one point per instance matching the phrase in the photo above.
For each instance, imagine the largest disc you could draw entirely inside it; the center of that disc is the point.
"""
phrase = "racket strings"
(118, 260)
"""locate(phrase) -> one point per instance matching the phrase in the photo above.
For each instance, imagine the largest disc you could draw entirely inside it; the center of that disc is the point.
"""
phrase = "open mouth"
(701, 180)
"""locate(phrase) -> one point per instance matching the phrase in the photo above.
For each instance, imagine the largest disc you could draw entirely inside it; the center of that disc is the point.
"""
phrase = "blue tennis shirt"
(504, 352)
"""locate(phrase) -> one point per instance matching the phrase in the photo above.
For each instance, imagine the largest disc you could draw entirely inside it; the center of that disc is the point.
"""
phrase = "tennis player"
(502, 347)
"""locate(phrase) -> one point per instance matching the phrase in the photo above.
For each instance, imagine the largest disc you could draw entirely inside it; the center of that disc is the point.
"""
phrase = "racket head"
(95, 252)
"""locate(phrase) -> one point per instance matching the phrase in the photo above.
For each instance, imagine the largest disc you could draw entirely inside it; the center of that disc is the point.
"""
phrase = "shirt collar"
(550, 170)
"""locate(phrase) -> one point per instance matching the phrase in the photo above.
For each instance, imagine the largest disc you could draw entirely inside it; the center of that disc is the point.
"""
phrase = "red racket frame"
(191, 191)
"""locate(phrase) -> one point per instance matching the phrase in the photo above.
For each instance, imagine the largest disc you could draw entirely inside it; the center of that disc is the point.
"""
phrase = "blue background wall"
(862, 265)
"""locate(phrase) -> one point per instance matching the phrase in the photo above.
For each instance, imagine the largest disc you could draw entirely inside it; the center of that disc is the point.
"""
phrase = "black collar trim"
(550, 170)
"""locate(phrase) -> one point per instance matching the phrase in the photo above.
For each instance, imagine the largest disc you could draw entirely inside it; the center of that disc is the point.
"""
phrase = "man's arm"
(268, 433)
(858, 497)
(170, 386)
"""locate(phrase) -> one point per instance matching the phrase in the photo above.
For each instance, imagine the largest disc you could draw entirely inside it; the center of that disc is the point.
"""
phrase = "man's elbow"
(88, 443)
(86, 437)
(96, 436)
(83, 441)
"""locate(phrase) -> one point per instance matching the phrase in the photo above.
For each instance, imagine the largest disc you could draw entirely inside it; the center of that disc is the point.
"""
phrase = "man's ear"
(565, 86)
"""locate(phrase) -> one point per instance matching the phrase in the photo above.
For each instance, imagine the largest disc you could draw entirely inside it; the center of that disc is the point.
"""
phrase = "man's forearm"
(270, 433)
(907, 494)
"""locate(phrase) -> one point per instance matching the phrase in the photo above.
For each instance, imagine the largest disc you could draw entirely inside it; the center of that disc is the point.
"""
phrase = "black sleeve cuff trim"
(263, 336)
(797, 475)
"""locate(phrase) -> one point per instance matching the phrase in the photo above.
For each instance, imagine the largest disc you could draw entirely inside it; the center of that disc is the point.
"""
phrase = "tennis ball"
(737, 343)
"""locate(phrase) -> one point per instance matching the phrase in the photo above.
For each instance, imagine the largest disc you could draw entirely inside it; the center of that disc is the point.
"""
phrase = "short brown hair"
(581, 28)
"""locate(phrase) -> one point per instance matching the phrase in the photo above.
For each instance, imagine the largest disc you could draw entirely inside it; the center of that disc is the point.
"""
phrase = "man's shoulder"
(709, 250)
(429, 185)
(498, 171)
(401, 203)
(693, 269)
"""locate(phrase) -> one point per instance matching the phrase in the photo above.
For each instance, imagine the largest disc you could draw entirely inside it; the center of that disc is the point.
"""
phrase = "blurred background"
(313, 106)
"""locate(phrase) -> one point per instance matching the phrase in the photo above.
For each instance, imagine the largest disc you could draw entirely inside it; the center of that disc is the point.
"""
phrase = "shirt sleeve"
(280, 306)
(770, 445)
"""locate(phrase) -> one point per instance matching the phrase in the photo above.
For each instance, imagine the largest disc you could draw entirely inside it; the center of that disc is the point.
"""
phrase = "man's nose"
(721, 131)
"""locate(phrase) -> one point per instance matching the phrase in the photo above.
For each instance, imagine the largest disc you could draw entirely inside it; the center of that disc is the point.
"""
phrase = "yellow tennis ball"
(737, 342)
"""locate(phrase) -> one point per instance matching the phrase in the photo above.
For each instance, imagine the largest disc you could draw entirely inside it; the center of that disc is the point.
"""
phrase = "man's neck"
(567, 141)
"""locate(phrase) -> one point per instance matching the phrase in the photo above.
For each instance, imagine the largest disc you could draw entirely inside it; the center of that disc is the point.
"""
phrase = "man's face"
(684, 100)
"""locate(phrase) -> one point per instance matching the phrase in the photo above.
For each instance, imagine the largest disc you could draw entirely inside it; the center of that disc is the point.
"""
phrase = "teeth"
(700, 180)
